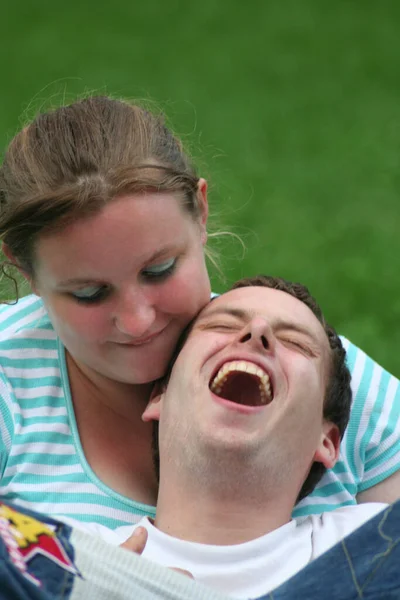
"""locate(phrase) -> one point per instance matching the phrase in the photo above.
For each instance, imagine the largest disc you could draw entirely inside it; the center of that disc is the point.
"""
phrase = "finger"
(137, 541)
(182, 571)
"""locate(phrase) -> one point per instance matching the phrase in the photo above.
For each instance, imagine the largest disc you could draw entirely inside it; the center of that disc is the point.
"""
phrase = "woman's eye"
(160, 270)
(90, 294)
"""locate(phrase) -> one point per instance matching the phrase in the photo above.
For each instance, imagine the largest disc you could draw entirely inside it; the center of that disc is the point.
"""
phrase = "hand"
(137, 541)
(182, 572)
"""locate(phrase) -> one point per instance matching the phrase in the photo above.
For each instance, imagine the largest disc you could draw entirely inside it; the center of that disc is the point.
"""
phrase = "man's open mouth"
(242, 382)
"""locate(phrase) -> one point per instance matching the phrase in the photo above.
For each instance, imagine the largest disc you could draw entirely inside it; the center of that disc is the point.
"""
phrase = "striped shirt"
(42, 464)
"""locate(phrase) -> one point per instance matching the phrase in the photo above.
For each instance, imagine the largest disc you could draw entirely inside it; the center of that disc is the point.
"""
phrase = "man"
(254, 410)
(255, 406)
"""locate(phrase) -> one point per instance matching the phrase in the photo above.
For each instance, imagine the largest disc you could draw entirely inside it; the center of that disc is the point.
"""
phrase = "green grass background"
(291, 109)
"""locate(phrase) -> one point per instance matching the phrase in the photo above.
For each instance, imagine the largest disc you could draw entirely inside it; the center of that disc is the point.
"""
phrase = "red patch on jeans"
(26, 537)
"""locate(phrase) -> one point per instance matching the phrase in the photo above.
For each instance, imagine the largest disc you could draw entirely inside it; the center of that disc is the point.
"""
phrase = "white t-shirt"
(254, 568)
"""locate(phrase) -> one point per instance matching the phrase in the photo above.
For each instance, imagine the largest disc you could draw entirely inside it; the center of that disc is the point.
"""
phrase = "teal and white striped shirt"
(42, 464)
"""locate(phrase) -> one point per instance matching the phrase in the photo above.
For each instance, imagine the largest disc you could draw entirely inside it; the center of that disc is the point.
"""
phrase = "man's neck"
(220, 515)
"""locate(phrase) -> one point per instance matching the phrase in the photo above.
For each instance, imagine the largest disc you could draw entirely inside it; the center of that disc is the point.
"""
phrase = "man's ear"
(7, 252)
(203, 207)
(152, 411)
(327, 452)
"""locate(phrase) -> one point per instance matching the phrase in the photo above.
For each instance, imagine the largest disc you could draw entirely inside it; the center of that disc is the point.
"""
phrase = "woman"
(103, 214)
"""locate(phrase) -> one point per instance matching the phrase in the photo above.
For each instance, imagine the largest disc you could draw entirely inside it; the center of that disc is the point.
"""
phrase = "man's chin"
(233, 440)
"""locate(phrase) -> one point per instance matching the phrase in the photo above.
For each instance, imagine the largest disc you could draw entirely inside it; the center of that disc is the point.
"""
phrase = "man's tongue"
(242, 388)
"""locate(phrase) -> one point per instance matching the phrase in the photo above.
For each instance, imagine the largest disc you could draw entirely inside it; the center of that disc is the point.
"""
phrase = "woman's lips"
(141, 341)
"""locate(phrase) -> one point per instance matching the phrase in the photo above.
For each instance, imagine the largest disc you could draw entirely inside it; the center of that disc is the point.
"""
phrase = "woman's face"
(120, 286)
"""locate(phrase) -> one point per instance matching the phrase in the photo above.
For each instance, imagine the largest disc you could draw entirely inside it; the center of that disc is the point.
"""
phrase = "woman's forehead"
(128, 230)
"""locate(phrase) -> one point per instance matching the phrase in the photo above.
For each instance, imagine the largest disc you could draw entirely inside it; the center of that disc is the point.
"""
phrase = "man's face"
(251, 380)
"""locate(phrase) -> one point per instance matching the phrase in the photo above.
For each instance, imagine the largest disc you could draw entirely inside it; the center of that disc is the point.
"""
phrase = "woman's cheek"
(84, 322)
(194, 290)
(173, 297)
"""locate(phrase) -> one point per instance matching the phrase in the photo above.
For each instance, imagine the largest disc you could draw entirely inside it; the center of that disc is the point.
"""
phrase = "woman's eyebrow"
(77, 281)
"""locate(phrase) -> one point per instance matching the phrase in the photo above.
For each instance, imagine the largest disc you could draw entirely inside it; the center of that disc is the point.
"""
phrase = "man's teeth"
(221, 377)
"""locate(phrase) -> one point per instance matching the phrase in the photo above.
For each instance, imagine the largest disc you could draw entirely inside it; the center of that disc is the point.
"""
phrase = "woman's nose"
(134, 316)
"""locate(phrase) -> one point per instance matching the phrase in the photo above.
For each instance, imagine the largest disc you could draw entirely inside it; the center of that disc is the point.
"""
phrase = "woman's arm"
(373, 434)
(385, 491)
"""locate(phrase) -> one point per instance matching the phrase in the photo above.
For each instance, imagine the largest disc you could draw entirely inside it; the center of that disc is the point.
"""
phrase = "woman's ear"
(7, 252)
(203, 206)
(10, 256)
(152, 411)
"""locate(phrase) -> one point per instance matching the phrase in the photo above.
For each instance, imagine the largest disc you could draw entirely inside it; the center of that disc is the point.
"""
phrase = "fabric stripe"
(54, 459)
(381, 442)
(43, 394)
(41, 469)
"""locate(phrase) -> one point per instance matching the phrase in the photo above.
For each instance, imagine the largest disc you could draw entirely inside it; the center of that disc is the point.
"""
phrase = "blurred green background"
(291, 109)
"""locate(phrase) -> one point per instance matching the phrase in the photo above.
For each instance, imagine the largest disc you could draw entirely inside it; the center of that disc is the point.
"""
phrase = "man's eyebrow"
(286, 325)
(243, 315)
(238, 313)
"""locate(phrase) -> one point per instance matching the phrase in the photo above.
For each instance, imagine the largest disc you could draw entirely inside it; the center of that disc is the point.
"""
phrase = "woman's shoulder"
(29, 353)
(26, 318)
(371, 383)
(372, 438)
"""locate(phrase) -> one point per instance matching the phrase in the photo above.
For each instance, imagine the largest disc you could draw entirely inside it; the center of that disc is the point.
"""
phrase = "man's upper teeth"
(245, 367)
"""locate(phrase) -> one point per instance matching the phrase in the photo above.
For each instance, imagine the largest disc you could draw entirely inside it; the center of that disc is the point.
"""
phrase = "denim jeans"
(36, 556)
(42, 559)
(366, 564)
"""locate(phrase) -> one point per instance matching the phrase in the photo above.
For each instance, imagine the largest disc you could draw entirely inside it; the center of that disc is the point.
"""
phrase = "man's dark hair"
(338, 394)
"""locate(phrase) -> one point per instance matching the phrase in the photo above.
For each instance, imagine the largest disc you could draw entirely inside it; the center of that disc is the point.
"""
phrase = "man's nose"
(134, 315)
(258, 333)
